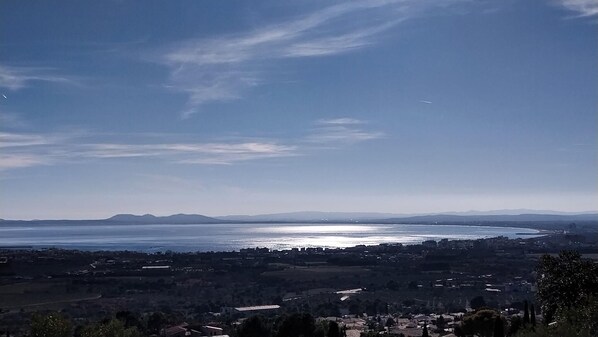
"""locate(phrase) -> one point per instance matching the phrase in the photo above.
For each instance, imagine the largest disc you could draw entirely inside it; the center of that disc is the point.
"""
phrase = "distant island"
(171, 219)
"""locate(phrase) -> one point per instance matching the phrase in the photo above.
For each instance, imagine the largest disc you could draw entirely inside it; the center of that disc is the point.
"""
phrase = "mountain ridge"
(342, 217)
(374, 216)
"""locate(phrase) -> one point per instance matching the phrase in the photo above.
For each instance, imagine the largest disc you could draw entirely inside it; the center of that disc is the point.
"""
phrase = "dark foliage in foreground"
(566, 282)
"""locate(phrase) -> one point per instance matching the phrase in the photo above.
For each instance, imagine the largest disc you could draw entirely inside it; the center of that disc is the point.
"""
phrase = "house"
(176, 331)
(208, 330)
(252, 310)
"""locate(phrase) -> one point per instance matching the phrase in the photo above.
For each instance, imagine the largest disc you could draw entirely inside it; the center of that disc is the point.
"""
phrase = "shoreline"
(156, 250)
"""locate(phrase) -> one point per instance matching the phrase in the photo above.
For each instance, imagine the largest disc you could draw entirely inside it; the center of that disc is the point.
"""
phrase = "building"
(252, 310)
(211, 331)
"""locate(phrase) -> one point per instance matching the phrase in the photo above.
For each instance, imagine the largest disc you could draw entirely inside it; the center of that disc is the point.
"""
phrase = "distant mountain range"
(307, 216)
(448, 218)
(470, 217)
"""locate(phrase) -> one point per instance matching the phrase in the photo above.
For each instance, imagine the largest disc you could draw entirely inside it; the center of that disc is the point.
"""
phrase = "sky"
(249, 107)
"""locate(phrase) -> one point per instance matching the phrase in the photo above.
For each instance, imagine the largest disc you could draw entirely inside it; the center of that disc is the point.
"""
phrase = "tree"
(255, 326)
(568, 295)
(525, 313)
(333, 330)
(425, 332)
(533, 315)
(499, 327)
(112, 328)
(580, 322)
(515, 325)
(50, 325)
(297, 325)
(390, 322)
(565, 282)
(440, 323)
(128, 318)
(155, 322)
(480, 323)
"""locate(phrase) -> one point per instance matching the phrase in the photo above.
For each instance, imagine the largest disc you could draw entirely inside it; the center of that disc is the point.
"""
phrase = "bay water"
(230, 236)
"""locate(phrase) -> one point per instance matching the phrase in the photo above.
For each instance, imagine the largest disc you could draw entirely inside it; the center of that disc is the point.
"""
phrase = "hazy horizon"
(339, 213)
(235, 107)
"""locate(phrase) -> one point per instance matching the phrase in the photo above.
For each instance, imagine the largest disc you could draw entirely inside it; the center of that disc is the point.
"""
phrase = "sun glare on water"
(303, 229)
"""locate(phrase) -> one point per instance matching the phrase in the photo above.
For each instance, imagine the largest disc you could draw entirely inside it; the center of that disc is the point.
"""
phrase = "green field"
(36, 294)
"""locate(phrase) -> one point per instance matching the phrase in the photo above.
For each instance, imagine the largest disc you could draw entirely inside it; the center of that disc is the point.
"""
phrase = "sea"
(233, 237)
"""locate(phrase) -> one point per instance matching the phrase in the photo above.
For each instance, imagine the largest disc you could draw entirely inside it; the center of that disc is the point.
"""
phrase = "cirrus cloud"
(15, 78)
(584, 8)
(21, 150)
(222, 68)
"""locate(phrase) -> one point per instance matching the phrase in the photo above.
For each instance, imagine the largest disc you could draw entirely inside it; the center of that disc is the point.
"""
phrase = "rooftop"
(258, 307)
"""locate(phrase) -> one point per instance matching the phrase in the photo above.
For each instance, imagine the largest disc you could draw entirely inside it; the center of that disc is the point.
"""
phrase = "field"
(33, 295)
(300, 273)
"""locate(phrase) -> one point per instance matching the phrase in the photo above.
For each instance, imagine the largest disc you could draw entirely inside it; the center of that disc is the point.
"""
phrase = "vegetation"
(297, 325)
(567, 298)
(51, 325)
(481, 323)
(255, 326)
(294, 325)
(499, 327)
(333, 330)
(112, 328)
(55, 325)
(565, 283)
(568, 294)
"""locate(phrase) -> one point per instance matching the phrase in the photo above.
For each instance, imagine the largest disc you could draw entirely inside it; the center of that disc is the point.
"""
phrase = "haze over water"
(227, 237)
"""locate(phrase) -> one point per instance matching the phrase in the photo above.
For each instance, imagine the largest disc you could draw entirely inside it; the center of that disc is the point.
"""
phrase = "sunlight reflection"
(291, 229)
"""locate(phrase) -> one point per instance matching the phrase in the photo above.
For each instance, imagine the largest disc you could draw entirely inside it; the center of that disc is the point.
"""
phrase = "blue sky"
(238, 107)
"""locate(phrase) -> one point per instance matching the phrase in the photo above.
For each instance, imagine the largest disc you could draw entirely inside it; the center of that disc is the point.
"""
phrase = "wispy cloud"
(19, 150)
(222, 68)
(342, 134)
(15, 78)
(23, 150)
(341, 130)
(271, 41)
(583, 8)
(191, 153)
(20, 160)
(330, 45)
(19, 140)
(339, 121)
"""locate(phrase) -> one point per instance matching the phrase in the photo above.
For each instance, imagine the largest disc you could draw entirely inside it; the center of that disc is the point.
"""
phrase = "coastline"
(281, 243)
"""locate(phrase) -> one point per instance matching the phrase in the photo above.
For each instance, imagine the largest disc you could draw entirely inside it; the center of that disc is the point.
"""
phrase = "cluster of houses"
(437, 325)
(409, 327)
